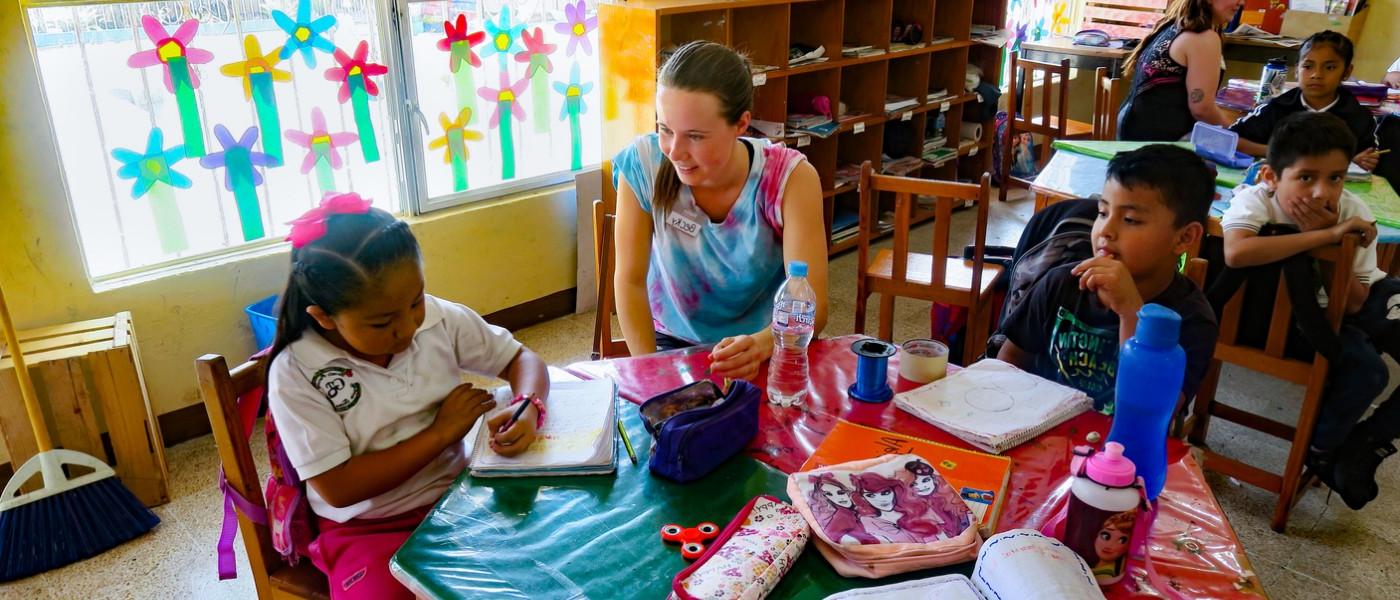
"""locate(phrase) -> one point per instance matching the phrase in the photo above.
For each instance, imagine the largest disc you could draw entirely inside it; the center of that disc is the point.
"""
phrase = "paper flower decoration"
(259, 72)
(455, 136)
(304, 34)
(536, 53)
(459, 42)
(503, 37)
(323, 149)
(241, 176)
(507, 99)
(574, 106)
(576, 26)
(174, 52)
(356, 86)
(152, 171)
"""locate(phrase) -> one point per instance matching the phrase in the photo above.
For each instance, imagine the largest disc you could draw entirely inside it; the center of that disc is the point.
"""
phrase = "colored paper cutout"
(507, 102)
(576, 27)
(574, 106)
(241, 176)
(173, 50)
(536, 53)
(155, 178)
(305, 34)
(258, 72)
(323, 149)
(356, 86)
(458, 42)
(502, 37)
(454, 141)
(631, 89)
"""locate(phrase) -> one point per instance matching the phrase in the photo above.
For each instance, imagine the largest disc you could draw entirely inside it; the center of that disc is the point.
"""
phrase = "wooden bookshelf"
(634, 33)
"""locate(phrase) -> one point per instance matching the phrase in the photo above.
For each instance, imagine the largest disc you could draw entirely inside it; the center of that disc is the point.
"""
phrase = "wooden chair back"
(1047, 119)
(221, 387)
(604, 263)
(1109, 93)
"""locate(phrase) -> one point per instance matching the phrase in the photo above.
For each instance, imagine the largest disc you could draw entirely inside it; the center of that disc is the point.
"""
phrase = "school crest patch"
(337, 384)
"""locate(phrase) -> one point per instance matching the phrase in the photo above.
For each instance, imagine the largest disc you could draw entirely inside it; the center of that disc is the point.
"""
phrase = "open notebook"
(993, 405)
(578, 438)
(1020, 564)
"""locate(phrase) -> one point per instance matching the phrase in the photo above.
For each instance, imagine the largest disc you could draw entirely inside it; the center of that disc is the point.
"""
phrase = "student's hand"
(517, 439)
(1114, 285)
(1308, 215)
(1368, 159)
(738, 357)
(1357, 225)
(461, 409)
(1392, 79)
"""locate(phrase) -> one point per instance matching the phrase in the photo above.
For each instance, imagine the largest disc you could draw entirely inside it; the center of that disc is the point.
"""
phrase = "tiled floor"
(1328, 552)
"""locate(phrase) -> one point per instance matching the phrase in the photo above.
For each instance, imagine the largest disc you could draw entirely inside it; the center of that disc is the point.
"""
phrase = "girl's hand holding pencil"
(513, 431)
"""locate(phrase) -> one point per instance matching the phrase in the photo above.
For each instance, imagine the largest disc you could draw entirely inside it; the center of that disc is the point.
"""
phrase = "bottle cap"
(797, 268)
(1158, 326)
(1278, 62)
(1111, 468)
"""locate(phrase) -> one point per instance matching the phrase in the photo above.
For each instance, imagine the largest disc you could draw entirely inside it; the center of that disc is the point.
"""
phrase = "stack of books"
(939, 156)
(894, 104)
(861, 51)
(799, 55)
(901, 166)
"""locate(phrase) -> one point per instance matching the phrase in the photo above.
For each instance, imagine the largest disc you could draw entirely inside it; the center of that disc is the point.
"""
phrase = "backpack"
(1057, 235)
(1023, 151)
(287, 514)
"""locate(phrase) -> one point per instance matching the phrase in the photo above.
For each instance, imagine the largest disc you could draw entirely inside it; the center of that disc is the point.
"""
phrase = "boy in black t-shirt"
(1075, 318)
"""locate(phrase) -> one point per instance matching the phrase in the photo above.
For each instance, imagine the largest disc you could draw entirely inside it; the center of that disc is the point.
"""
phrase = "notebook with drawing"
(994, 405)
(578, 438)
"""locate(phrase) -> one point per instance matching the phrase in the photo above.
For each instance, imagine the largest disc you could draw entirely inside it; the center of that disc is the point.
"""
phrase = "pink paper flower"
(320, 135)
(168, 46)
(508, 92)
(352, 66)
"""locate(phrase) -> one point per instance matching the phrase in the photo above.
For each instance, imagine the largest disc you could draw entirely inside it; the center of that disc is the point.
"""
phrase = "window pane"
(132, 101)
(543, 54)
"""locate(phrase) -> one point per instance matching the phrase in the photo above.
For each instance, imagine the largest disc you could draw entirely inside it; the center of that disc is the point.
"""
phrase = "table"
(455, 550)
(1056, 48)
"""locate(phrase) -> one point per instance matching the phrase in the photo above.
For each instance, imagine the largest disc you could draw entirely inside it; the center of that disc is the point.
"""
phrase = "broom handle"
(26, 387)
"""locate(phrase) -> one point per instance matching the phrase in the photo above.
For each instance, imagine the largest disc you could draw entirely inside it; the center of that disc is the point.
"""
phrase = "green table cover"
(593, 536)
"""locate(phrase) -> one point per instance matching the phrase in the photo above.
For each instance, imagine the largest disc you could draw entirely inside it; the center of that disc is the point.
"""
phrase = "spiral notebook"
(994, 405)
(578, 437)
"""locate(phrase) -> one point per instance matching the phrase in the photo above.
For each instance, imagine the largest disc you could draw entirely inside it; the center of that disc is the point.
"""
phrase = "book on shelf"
(938, 95)
(901, 46)
(935, 143)
(767, 128)
(757, 68)
(861, 51)
(801, 54)
(901, 166)
(897, 103)
(940, 157)
(823, 130)
(851, 116)
(942, 39)
(799, 120)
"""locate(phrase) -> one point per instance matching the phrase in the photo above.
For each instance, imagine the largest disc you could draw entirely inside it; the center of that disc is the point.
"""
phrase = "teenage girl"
(1324, 61)
(364, 384)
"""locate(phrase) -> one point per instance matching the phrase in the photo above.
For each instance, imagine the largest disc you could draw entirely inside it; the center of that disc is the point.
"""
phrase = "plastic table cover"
(597, 537)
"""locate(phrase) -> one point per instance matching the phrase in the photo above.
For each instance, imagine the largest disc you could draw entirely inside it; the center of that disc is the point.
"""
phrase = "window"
(190, 128)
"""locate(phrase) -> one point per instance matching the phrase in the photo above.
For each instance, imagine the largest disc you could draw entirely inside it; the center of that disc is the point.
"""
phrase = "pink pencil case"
(750, 555)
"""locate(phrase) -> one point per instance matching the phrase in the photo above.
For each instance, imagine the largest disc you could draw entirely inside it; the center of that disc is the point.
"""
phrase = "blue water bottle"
(1151, 366)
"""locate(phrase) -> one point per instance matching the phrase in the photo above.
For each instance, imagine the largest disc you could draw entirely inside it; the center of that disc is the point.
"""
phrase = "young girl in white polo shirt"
(365, 387)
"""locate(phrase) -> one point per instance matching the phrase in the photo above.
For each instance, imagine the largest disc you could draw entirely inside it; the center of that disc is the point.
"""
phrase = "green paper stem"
(188, 105)
(575, 137)
(245, 195)
(170, 228)
(269, 122)
(539, 87)
(466, 88)
(359, 99)
(457, 147)
(325, 177)
(507, 143)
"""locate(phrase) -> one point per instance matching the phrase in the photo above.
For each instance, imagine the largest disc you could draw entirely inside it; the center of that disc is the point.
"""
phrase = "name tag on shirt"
(680, 223)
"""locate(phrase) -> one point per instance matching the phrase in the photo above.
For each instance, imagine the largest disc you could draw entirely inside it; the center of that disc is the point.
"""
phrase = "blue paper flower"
(304, 34)
(151, 166)
(573, 94)
(502, 37)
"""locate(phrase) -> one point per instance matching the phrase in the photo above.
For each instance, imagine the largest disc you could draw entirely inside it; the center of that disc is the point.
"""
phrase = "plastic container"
(1151, 366)
(1218, 145)
(262, 318)
(872, 371)
(1271, 79)
(794, 319)
(1102, 511)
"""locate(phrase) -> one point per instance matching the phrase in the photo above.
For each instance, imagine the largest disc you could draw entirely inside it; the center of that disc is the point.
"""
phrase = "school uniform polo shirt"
(330, 406)
(1257, 125)
(1256, 206)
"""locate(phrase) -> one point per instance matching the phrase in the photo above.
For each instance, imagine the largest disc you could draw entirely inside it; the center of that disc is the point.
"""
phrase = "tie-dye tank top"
(721, 280)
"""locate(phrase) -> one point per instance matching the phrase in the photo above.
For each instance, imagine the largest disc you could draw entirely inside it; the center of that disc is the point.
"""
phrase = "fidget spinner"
(691, 539)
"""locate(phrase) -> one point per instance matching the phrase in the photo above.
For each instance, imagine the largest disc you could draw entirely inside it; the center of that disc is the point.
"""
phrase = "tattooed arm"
(1202, 53)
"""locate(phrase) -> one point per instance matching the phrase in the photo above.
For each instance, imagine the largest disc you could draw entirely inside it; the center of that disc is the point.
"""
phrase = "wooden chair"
(1022, 116)
(1271, 360)
(604, 262)
(1109, 93)
(936, 277)
(221, 387)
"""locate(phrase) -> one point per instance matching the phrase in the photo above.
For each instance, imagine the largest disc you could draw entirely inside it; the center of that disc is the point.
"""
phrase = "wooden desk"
(1258, 51)
(1054, 49)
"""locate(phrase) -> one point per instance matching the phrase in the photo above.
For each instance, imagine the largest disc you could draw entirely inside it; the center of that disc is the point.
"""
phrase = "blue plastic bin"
(262, 317)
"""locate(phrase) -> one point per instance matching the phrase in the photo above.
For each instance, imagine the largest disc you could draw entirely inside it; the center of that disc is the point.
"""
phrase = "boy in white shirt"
(1302, 187)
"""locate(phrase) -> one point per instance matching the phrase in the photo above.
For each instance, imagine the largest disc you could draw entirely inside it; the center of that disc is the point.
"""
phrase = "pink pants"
(354, 555)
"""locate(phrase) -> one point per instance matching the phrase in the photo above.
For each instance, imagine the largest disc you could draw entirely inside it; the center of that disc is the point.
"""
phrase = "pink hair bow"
(310, 226)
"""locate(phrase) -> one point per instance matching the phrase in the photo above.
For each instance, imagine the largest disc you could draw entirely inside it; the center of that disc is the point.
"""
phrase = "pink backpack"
(287, 513)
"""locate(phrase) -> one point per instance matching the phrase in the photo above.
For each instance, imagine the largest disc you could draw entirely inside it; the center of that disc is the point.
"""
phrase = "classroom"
(827, 299)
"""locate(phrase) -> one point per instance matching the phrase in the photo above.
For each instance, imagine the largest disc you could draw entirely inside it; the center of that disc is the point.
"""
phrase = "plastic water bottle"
(1151, 366)
(1272, 77)
(1102, 512)
(794, 318)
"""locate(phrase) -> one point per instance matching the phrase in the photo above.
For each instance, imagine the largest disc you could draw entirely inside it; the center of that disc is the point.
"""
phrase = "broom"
(68, 519)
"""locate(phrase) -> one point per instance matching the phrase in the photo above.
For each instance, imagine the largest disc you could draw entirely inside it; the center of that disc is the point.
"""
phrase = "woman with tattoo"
(1175, 72)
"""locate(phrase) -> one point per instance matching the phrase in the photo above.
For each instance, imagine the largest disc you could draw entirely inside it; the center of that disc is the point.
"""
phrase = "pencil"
(626, 443)
(516, 417)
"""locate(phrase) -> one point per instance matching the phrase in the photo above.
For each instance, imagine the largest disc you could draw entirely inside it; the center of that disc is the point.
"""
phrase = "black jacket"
(1257, 125)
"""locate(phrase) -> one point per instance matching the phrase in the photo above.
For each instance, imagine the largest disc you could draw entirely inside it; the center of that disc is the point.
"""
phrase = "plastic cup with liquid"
(923, 360)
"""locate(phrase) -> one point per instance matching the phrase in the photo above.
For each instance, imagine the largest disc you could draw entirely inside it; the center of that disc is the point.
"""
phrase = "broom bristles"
(67, 527)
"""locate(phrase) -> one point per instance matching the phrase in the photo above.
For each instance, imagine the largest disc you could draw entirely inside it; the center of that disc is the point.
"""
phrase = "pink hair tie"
(311, 225)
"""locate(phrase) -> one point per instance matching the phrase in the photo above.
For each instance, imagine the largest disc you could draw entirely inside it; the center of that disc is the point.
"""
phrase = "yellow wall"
(473, 254)
(1378, 46)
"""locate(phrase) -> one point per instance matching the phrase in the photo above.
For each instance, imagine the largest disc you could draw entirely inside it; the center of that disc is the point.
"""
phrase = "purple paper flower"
(238, 158)
(576, 26)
